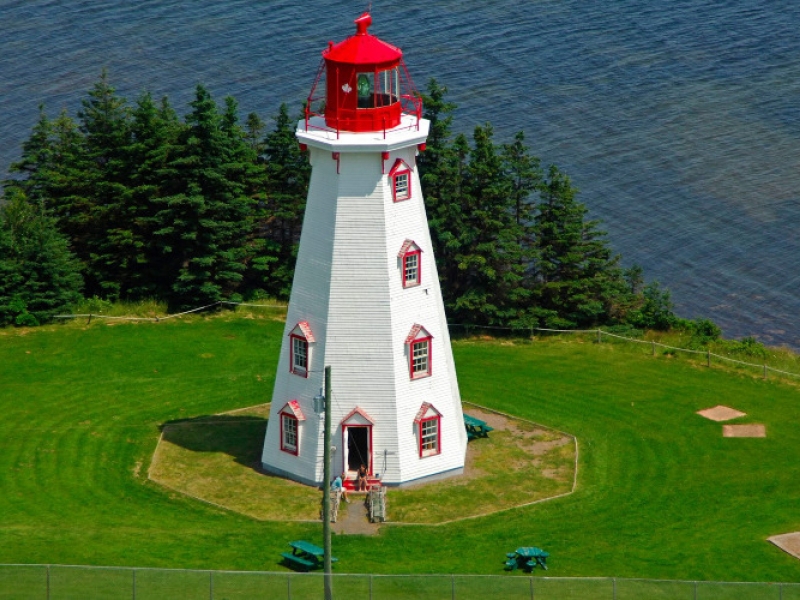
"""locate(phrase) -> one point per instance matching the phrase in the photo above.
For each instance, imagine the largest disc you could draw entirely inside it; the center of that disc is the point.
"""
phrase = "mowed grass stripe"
(660, 493)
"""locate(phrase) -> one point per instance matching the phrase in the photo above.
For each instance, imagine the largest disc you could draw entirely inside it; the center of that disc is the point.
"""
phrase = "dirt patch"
(788, 542)
(750, 431)
(721, 413)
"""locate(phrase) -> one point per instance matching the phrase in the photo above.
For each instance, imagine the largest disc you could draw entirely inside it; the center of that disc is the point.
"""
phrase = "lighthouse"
(365, 299)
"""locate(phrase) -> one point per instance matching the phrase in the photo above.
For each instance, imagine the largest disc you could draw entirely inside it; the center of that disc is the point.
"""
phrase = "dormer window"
(299, 350)
(410, 256)
(429, 429)
(420, 345)
(291, 415)
(400, 178)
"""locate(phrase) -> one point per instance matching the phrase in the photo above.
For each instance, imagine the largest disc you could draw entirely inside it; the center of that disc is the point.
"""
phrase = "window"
(291, 415)
(420, 362)
(299, 349)
(289, 433)
(429, 437)
(299, 356)
(419, 343)
(429, 422)
(400, 178)
(410, 256)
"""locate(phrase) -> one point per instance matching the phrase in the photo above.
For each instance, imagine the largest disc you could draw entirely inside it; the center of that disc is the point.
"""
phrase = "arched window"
(420, 350)
(410, 256)
(299, 350)
(429, 430)
(400, 178)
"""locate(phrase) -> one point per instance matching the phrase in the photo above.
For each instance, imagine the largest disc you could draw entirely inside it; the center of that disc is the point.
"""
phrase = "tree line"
(131, 202)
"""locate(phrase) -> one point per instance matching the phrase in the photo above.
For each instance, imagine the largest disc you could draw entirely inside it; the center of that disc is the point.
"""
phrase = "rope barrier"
(468, 327)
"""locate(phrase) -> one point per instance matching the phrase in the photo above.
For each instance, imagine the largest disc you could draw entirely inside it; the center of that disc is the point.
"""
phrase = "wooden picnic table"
(305, 555)
(476, 428)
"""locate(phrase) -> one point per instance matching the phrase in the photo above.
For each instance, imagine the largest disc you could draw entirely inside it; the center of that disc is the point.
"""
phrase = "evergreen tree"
(36, 163)
(489, 256)
(154, 133)
(103, 228)
(280, 216)
(577, 276)
(38, 275)
(204, 215)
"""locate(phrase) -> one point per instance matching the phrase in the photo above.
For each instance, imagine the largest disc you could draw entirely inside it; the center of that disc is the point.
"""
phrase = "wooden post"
(765, 371)
(654, 348)
(598, 336)
(326, 483)
(708, 357)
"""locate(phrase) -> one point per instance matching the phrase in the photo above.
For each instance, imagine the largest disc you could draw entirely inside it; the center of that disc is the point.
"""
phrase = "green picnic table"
(305, 555)
(528, 557)
(476, 428)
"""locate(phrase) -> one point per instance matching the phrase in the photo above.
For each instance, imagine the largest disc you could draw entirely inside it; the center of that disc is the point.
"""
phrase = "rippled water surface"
(678, 120)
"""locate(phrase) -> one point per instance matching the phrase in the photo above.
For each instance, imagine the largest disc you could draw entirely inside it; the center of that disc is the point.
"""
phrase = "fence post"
(695, 590)
(708, 357)
(765, 371)
(654, 348)
(134, 584)
(531, 580)
(211, 585)
(453, 587)
(614, 582)
(288, 587)
(48, 582)
(90, 319)
(370, 587)
(598, 336)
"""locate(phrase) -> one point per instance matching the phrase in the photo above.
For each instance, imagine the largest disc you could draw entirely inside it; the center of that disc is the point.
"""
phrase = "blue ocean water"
(679, 120)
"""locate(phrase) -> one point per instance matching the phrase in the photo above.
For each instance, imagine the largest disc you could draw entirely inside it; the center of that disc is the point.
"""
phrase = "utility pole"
(326, 489)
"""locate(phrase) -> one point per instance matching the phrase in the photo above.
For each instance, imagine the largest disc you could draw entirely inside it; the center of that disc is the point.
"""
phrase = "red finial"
(362, 23)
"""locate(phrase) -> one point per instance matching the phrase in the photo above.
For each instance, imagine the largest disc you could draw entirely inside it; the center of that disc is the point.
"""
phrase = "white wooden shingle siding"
(348, 286)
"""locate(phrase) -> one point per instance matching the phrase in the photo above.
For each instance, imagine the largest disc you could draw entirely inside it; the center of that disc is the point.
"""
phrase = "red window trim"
(412, 283)
(301, 371)
(400, 168)
(284, 447)
(422, 451)
(421, 374)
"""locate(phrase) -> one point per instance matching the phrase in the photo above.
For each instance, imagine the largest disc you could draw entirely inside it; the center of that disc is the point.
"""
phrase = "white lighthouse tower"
(366, 299)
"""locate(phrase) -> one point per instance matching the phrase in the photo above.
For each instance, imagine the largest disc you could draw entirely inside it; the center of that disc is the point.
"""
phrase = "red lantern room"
(367, 84)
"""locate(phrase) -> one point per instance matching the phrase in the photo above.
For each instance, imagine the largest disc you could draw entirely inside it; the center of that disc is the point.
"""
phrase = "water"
(677, 119)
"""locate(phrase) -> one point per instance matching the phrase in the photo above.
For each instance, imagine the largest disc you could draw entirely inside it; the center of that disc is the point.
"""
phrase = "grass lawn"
(218, 460)
(661, 494)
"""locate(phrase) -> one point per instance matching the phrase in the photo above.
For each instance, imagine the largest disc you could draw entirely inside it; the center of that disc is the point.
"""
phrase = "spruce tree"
(39, 277)
(204, 214)
(280, 216)
(577, 276)
(154, 132)
(105, 123)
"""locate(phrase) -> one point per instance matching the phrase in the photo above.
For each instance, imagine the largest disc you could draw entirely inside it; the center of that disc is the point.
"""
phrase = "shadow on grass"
(239, 436)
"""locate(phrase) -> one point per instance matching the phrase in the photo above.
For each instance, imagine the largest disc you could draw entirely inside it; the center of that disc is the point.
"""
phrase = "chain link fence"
(58, 582)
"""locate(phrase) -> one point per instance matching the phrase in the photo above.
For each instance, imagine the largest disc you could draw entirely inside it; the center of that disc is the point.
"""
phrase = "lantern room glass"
(378, 88)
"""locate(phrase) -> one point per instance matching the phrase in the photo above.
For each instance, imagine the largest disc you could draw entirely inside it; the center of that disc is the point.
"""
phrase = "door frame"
(346, 448)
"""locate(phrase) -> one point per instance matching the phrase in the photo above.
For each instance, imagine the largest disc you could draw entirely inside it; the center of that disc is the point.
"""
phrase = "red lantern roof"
(362, 48)
(367, 86)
